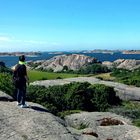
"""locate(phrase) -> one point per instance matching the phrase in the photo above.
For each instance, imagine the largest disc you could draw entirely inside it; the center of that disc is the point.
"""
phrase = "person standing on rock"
(20, 78)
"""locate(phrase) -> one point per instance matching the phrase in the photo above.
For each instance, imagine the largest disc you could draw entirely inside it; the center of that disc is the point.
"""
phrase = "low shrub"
(127, 77)
(130, 110)
(73, 96)
(103, 97)
(6, 84)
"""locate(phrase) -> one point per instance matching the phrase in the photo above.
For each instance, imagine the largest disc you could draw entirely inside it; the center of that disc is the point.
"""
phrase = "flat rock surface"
(125, 92)
(90, 123)
(36, 123)
(33, 123)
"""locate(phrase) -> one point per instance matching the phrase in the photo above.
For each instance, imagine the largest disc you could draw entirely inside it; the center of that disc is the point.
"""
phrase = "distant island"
(56, 53)
(29, 54)
(131, 52)
(112, 51)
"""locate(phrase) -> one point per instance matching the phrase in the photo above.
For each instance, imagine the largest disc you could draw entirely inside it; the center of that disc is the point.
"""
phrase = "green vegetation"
(73, 96)
(105, 76)
(6, 80)
(6, 83)
(127, 77)
(5, 70)
(93, 69)
(68, 112)
(89, 69)
(82, 126)
(40, 75)
(129, 109)
(136, 122)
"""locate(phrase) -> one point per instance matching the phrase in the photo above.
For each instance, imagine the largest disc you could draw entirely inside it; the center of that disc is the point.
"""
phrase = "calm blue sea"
(12, 60)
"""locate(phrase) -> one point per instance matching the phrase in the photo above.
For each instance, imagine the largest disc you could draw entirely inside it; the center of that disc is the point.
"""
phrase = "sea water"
(12, 60)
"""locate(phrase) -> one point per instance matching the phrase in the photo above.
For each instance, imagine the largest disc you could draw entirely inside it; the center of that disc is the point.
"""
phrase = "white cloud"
(10, 43)
(35, 42)
(13, 39)
(4, 38)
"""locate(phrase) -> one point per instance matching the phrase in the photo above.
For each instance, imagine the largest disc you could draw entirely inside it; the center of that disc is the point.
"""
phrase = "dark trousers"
(21, 95)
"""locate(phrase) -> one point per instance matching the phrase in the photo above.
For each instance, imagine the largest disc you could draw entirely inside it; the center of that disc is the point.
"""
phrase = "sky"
(63, 25)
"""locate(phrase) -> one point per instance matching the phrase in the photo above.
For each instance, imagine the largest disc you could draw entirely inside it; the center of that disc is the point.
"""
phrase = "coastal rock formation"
(42, 125)
(131, 52)
(36, 123)
(129, 64)
(61, 62)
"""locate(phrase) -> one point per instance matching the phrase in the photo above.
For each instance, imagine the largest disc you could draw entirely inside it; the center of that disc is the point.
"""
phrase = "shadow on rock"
(39, 109)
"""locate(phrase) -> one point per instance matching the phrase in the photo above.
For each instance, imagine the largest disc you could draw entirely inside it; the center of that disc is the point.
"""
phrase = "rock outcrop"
(103, 126)
(33, 123)
(5, 97)
(58, 63)
(36, 123)
(129, 64)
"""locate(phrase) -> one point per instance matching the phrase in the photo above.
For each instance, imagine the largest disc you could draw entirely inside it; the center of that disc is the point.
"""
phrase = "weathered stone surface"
(33, 123)
(125, 92)
(5, 97)
(36, 123)
(57, 63)
(129, 64)
(92, 121)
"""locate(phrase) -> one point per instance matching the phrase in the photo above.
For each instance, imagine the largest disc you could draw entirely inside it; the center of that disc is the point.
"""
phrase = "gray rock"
(92, 121)
(57, 63)
(36, 123)
(129, 64)
(33, 123)
(5, 97)
(123, 132)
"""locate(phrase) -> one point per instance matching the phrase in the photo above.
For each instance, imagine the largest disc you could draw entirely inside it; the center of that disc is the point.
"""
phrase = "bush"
(6, 84)
(51, 97)
(93, 69)
(4, 69)
(77, 96)
(129, 109)
(73, 96)
(88, 69)
(127, 77)
(103, 96)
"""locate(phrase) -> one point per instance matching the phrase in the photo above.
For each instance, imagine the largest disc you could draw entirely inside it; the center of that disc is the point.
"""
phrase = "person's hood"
(22, 63)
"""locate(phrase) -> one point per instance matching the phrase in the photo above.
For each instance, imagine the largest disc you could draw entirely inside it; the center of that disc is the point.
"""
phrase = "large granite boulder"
(129, 64)
(60, 62)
